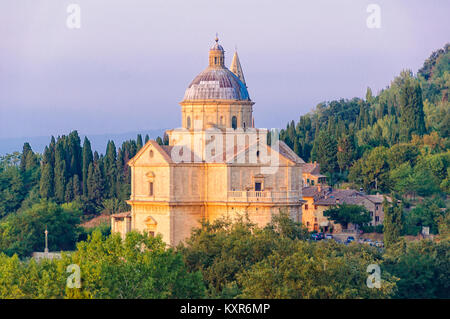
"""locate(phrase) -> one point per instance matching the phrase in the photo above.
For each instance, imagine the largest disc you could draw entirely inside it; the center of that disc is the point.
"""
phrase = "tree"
(12, 190)
(369, 96)
(411, 109)
(325, 152)
(372, 170)
(87, 159)
(393, 222)
(22, 232)
(345, 214)
(165, 139)
(422, 269)
(345, 152)
(111, 169)
(221, 250)
(46, 183)
(324, 270)
(139, 141)
(138, 267)
(95, 184)
(28, 159)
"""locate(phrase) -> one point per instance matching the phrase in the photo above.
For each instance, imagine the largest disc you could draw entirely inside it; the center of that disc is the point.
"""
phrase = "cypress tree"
(26, 150)
(46, 186)
(87, 159)
(147, 138)
(60, 171)
(345, 152)
(393, 222)
(77, 191)
(75, 153)
(139, 141)
(297, 147)
(69, 195)
(165, 139)
(46, 181)
(325, 149)
(411, 109)
(95, 183)
(110, 169)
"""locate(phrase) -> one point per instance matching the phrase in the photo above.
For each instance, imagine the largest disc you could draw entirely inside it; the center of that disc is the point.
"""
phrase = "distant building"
(311, 175)
(320, 198)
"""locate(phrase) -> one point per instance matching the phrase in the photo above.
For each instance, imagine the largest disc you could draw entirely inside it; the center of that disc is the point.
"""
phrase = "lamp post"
(46, 240)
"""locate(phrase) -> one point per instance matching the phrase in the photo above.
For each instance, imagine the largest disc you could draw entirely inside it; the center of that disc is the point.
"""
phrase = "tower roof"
(236, 67)
(217, 46)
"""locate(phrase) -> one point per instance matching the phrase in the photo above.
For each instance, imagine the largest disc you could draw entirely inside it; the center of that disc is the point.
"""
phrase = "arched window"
(234, 122)
(244, 125)
(188, 122)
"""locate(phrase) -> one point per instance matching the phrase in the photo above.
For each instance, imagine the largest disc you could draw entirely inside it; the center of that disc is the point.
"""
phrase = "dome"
(216, 84)
(217, 47)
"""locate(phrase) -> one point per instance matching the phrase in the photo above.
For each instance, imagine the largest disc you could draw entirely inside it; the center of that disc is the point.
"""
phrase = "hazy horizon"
(129, 64)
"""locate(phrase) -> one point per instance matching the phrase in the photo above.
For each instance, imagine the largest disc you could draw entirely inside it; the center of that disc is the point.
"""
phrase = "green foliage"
(372, 170)
(411, 109)
(315, 270)
(137, 267)
(325, 150)
(23, 232)
(429, 213)
(12, 190)
(393, 222)
(422, 268)
(345, 214)
(222, 249)
(346, 152)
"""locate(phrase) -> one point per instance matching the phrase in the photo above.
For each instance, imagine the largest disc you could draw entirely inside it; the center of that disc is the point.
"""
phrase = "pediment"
(151, 153)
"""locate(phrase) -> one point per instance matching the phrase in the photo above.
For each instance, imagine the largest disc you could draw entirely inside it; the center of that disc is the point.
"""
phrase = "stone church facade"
(217, 164)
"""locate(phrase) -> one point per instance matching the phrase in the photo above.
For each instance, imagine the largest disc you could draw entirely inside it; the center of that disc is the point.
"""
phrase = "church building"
(216, 164)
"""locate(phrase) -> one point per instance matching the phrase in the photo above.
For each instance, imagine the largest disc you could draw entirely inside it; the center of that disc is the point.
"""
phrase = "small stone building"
(320, 198)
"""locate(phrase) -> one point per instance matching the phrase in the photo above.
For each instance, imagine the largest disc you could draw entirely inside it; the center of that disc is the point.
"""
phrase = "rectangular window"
(306, 206)
(150, 189)
(257, 187)
(377, 218)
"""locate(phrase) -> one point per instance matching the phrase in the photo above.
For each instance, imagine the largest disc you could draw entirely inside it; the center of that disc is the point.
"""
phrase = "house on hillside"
(320, 198)
(311, 175)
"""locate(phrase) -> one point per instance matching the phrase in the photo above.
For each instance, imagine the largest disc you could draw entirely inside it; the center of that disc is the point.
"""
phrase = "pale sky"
(129, 64)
